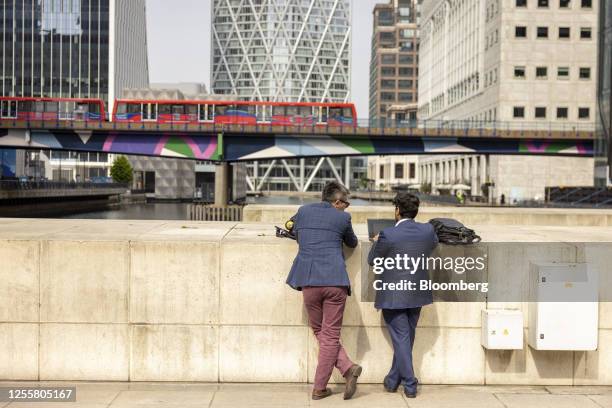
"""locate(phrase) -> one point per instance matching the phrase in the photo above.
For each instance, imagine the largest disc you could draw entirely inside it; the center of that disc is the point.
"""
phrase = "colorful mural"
(237, 147)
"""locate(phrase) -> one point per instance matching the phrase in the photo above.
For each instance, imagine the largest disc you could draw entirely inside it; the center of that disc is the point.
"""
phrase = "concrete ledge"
(197, 301)
(468, 215)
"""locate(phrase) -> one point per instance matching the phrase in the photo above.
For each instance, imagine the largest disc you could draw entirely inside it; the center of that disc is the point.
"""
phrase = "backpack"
(452, 232)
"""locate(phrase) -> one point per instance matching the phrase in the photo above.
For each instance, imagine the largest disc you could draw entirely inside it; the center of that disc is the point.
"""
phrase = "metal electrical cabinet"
(563, 306)
(502, 329)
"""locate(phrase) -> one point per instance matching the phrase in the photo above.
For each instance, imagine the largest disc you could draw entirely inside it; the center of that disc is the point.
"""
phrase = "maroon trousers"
(325, 307)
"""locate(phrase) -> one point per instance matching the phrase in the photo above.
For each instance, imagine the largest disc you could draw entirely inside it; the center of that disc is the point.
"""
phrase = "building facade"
(394, 61)
(525, 63)
(286, 51)
(390, 171)
(73, 48)
(603, 150)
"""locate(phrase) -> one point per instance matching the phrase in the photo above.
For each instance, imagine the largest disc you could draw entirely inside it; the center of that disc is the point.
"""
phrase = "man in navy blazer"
(320, 273)
(401, 307)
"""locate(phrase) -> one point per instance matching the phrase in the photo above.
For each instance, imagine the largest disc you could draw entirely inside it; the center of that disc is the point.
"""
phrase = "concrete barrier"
(468, 215)
(193, 301)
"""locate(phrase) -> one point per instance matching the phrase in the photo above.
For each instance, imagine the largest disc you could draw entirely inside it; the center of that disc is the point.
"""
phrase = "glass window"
(542, 32)
(563, 72)
(520, 32)
(387, 71)
(388, 58)
(347, 113)
(521, 3)
(518, 112)
(586, 3)
(381, 172)
(399, 170)
(278, 110)
(406, 59)
(564, 32)
(178, 109)
(40, 106)
(50, 106)
(387, 84)
(292, 110)
(562, 113)
(542, 3)
(585, 33)
(221, 110)
(585, 73)
(519, 72)
(584, 113)
(191, 109)
(540, 112)
(405, 83)
(564, 3)
(121, 108)
(387, 96)
(406, 71)
(405, 96)
(541, 72)
(164, 109)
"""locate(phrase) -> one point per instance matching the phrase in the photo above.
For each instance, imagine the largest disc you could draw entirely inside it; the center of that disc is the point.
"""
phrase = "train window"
(9, 109)
(210, 111)
(278, 110)
(24, 106)
(323, 114)
(39, 106)
(305, 111)
(335, 113)
(292, 110)
(121, 109)
(164, 109)
(93, 108)
(191, 110)
(178, 109)
(221, 110)
(133, 108)
(50, 106)
(348, 113)
(149, 111)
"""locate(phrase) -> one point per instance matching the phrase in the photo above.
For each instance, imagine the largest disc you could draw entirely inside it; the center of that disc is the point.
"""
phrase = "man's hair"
(333, 191)
(407, 204)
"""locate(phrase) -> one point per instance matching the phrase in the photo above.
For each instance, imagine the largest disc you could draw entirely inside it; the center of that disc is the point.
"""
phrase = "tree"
(121, 170)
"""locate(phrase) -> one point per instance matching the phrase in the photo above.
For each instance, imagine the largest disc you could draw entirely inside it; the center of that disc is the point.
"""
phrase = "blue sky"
(178, 35)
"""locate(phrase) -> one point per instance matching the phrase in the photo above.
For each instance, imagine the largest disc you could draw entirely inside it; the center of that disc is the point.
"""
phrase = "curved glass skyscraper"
(282, 50)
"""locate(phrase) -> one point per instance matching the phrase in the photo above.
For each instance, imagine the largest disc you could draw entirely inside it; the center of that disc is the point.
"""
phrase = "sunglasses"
(346, 203)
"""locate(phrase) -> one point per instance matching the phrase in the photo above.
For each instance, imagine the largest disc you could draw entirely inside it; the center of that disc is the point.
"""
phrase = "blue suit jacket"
(321, 230)
(415, 239)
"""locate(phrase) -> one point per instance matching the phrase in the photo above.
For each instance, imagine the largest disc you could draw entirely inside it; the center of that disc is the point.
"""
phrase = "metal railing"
(360, 126)
(12, 185)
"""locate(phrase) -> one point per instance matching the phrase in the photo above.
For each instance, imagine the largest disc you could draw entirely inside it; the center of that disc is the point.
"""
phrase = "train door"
(149, 112)
(206, 113)
(65, 110)
(323, 112)
(8, 110)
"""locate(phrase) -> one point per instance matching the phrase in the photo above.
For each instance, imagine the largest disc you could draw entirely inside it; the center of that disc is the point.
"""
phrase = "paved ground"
(189, 395)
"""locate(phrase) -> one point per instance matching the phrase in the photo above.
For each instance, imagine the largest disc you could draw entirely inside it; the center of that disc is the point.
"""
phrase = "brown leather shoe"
(351, 381)
(320, 394)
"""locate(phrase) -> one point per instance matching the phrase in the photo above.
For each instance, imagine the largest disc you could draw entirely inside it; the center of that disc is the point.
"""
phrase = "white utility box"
(563, 306)
(502, 329)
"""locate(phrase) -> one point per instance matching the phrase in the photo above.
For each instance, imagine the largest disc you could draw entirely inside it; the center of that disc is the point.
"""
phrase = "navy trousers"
(402, 324)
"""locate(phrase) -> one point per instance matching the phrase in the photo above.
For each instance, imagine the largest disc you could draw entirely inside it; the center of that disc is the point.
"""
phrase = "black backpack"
(452, 232)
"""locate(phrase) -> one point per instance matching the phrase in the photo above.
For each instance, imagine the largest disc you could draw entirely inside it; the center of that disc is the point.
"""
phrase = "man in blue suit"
(401, 308)
(320, 273)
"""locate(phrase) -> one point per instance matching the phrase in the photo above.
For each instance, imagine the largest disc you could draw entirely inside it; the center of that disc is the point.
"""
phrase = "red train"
(181, 111)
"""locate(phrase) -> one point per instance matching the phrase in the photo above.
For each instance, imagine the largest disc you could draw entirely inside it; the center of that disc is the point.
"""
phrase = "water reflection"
(178, 211)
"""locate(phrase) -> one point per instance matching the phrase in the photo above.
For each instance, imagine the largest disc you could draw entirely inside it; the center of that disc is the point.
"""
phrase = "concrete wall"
(186, 301)
(468, 215)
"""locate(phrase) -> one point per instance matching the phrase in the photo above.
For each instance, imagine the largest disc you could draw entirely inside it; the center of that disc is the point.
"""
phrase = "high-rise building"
(73, 48)
(285, 50)
(516, 61)
(603, 150)
(393, 84)
(282, 50)
(394, 61)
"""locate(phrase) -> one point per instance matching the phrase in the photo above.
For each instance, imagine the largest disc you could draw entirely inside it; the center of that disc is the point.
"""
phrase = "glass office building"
(282, 50)
(603, 146)
(72, 48)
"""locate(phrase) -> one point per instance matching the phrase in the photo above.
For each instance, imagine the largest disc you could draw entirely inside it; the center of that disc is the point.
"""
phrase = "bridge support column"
(221, 186)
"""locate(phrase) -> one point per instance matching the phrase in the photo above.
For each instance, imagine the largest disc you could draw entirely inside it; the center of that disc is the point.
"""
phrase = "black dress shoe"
(409, 394)
(320, 394)
(387, 388)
